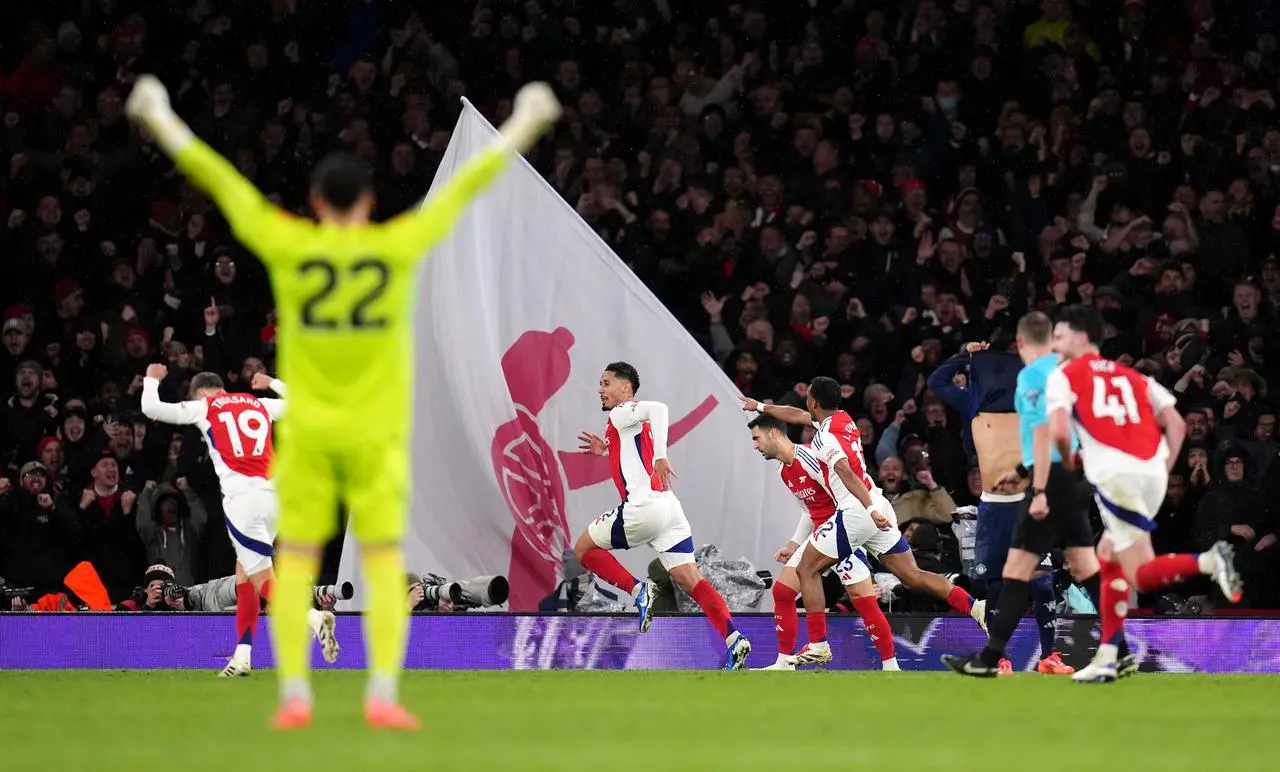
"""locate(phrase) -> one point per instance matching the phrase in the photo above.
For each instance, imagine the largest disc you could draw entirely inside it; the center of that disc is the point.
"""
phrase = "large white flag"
(521, 309)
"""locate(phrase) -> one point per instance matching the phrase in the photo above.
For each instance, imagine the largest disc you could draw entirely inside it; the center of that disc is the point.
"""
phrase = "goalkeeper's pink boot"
(293, 714)
(381, 714)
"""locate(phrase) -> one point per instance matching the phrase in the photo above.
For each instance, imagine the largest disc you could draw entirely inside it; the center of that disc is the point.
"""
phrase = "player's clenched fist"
(148, 99)
(539, 103)
(880, 520)
(260, 382)
(536, 109)
(157, 371)
(784, 554)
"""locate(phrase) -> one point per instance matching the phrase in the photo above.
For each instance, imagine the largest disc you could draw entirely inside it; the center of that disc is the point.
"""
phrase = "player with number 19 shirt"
(237, 428)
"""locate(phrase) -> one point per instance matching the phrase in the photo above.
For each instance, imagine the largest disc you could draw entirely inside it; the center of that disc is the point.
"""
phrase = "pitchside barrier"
(473, 641)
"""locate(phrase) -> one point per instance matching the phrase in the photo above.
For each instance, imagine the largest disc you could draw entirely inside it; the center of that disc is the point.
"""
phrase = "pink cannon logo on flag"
(532, 476)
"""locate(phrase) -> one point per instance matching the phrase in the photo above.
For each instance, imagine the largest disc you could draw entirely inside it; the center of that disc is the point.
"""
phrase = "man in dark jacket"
(37, 535)
(1233, 511)
(107, 530)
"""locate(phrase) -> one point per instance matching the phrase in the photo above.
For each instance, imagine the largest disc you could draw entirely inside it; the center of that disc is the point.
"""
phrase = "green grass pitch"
(194, 721)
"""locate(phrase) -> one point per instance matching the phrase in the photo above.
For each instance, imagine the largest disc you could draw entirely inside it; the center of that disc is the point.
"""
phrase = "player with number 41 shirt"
(237, 428)
(1130, 434)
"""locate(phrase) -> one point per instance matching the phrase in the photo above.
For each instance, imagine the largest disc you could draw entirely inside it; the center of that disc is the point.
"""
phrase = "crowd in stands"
(855, 188)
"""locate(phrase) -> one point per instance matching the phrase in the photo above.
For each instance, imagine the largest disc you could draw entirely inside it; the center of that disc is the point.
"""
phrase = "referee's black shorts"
(1067, 524)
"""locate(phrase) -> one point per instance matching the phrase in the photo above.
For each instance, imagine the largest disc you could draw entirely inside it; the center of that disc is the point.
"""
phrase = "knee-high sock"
(786, 620)
(386, 619)
(246, 613)
(1013, 602)
(1044, 604)
(994, 587)
(960, 600)
(1114, 602)
(1093, 586)
(877, 625)
(1165, 570)
(713, 605)
(604, 565)
(295, 578)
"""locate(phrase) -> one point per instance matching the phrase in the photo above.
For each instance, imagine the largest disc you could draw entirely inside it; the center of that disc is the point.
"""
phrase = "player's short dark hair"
(341, 178)
(764, 422)
(625, 372)
(202, 381)
(1036, 327)
(1082, 318)
(826, 392)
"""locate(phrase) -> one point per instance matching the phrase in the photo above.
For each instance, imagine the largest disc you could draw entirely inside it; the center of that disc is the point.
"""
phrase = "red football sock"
(712, 604)
(607, 567)
(1113, 601)
(816, 621)
(877, 626)
(786, 620)
(960, 600)
(246, 613)
(1165, 570)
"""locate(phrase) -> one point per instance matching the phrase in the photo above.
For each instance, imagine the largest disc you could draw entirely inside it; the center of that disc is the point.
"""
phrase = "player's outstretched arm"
(251, 217)
(784, 413)
(536, 110)
(176, 413)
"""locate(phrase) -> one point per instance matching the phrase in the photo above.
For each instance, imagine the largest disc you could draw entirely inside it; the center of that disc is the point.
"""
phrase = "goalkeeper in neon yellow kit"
(344, 292)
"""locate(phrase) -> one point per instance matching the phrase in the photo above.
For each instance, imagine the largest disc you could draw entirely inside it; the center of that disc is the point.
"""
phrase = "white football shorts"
(1129, 502)
(251, 521)
(847, 531)
(657, 521)
(851, 570)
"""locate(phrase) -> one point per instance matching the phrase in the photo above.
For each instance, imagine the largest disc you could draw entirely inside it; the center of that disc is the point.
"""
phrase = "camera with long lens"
(477, 592)
(342, 591)
(173, 591)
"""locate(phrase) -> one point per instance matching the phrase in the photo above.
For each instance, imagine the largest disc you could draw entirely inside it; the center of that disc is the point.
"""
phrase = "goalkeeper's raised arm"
(338, 195)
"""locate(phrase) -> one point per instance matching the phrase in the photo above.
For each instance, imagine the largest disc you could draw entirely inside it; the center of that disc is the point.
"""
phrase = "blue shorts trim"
(618, 531)
(898, 548)
(684, 547)
(1129, 516)
(843, 546)
(253, 545)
